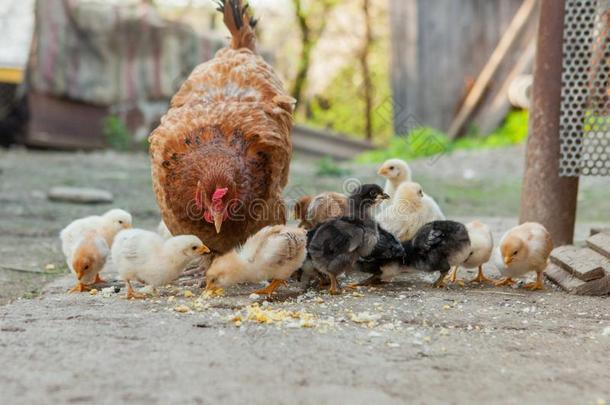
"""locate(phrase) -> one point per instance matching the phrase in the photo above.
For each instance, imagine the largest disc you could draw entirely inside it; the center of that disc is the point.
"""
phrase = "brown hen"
(221, 154)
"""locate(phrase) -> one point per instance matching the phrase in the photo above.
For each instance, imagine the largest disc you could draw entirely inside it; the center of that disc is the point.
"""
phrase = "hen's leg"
(275, 283)
(480, 278)
(131, 294)
(537, 285)
(504, 281)
(79, 287)
(334, 285)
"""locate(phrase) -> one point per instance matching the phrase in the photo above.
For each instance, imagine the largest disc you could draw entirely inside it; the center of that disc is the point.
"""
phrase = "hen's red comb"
(219, 193)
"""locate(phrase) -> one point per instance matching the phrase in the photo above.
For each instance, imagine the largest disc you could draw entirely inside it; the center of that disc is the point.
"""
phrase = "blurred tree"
(311, 16)
(367, 82)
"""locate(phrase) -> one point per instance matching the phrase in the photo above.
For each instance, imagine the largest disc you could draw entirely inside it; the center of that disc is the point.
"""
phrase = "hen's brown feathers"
(229, 124)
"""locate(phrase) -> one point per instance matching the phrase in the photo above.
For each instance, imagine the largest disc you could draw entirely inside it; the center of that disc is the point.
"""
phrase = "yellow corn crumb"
(93, 291)
(182, 309)
(188, 294)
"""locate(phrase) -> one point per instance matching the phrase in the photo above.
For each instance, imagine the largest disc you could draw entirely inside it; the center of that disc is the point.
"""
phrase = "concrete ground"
(401, 343)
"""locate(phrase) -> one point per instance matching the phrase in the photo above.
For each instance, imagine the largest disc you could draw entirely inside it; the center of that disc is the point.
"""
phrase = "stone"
(80, 195)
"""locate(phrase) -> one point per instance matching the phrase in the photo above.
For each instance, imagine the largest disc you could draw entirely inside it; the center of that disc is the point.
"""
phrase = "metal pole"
(546, 197)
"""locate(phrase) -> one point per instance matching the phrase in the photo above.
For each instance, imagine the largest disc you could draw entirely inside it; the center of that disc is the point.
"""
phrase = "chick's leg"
(452, 276)
(375, 279)
(480, 278)
(504, 281)
(131, 294)
(79, 287)
(275, 283)
(536, 285)
(334, 285)
(98, 279)
(440, 281)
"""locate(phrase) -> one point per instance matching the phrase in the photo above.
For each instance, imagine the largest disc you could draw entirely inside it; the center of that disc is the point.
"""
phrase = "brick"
(600, 243)
(573, 285)
(584, 264)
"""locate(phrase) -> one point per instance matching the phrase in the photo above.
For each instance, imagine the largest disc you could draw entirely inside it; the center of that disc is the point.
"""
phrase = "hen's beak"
(218, 221)
(508, 260)
(382, 171)
(203, 249)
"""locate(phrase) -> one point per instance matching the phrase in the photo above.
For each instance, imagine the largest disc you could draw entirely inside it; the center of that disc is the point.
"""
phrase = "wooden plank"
(571, 284)
(515, 28)
(322, 143)
(600, 243)
(584, 264)
(596, 230)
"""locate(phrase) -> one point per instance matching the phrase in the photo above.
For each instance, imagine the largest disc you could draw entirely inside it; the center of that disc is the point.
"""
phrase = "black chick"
(335, 245)
(388, 250)
(437, 246)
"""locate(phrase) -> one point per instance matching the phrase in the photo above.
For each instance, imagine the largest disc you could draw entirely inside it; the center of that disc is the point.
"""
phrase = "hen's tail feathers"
(240, 23)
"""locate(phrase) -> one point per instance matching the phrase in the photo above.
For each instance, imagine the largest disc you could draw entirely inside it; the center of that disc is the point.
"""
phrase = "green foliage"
(341, 107)
(116, 133)
(327, 167)
(424, 142)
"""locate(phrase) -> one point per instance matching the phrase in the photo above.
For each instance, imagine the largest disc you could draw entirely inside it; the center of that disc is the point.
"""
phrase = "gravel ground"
(402, 343)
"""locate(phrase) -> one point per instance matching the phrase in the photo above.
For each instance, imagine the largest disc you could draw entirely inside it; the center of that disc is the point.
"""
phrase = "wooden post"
(546, 197)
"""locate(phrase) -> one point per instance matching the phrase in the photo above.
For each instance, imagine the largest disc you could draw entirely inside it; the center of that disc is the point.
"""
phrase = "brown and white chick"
(273, 253)
(396, 172)
(299, 211)
(325, 206)
(522, 249)
(87, 260)
(106, 225)
(481, 245)
(406, 213)
(145, 256)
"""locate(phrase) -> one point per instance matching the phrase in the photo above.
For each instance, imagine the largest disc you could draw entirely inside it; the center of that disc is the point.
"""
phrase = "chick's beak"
(218, 221)
(382, 197)
(79, 274)
(382, 171)
(210, 286)
(126, 226)
(508, 260)
(203, 249)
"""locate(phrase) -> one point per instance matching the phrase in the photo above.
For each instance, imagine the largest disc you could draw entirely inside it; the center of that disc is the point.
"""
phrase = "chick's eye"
(515, 252)
(121, 222)
(194, 248)
(391, 167)
(86, 267)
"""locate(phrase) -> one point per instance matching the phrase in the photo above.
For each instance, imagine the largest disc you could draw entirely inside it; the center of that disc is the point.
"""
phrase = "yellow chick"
(273, 253)
(481, 245)
(145, 256)
(396, 172)
(406, 213)
(523, 249)
(87, 260)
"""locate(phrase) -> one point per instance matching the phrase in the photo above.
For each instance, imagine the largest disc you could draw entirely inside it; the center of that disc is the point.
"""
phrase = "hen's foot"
(275, 283)
(504, 281)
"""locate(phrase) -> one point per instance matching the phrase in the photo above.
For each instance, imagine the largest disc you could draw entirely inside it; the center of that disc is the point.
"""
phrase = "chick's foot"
(79, 287)
(334, 285)
(373, 280)
(536, 285)
(440, 281)
(98, 279)
(504, 281)
(480, 278)
(275, 283)
(452, 276)
(131, 294)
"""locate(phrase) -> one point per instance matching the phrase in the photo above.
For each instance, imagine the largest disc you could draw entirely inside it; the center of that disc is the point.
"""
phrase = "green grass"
(424, 142)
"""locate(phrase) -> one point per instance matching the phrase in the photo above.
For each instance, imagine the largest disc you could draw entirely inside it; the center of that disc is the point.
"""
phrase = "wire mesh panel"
(585, 105)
